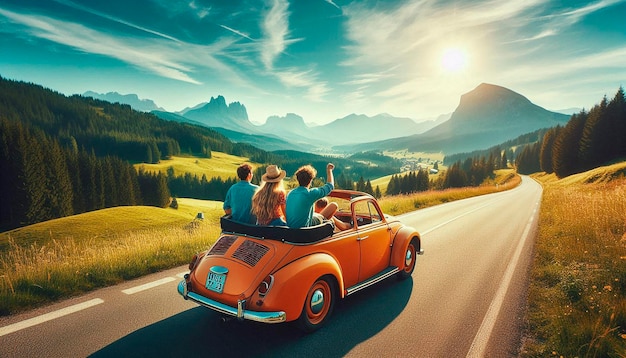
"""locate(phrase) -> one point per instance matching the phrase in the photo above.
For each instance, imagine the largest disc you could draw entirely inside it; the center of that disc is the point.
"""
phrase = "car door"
(373, 236)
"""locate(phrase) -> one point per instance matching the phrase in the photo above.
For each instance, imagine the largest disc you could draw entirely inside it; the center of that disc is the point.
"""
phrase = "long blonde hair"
(265, 201)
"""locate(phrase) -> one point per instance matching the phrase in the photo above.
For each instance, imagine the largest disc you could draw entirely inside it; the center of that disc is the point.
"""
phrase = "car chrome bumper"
(239, 312)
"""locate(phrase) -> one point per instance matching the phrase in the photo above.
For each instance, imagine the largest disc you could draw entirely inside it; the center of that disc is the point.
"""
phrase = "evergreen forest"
(590, 139)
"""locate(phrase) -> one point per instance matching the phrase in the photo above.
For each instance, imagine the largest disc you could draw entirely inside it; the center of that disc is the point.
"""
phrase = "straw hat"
(273, 174)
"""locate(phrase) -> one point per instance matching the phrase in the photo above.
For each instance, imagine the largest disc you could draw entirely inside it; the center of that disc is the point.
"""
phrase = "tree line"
(588, 140)
(469, 172)
(43, 180)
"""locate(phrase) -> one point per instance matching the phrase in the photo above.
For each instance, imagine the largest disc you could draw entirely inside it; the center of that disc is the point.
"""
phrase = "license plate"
(216, 279)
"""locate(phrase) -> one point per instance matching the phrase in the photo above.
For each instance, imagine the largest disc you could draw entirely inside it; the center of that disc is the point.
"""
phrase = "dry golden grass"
(398, 204)
(59, 258)
(577, 299)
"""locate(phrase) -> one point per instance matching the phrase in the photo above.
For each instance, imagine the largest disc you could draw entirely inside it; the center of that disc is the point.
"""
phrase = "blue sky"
(321, 59)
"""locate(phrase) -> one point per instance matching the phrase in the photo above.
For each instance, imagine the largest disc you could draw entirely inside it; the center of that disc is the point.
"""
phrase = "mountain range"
(486, 116)
(142, 105)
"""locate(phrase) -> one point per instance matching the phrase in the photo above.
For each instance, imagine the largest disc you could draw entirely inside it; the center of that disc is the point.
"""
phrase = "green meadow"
(220, 165)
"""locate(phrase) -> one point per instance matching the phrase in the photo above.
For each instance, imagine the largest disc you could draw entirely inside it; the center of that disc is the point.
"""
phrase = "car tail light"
(266, 285)
(194, 261)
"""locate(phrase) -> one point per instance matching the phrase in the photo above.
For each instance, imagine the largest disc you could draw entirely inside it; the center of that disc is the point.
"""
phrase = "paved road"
(465, 298)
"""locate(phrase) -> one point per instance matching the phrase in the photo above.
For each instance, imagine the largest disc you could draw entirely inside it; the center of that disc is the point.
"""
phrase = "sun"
(454, 60)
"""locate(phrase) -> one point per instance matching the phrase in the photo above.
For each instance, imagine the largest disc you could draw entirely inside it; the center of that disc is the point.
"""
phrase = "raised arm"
(329, 173)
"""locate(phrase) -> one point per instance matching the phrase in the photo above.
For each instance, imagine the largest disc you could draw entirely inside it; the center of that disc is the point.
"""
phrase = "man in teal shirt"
(238, 201)
(300, 200)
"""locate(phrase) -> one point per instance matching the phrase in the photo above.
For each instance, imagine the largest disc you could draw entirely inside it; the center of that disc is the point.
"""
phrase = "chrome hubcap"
(408, 258)
(317, 301)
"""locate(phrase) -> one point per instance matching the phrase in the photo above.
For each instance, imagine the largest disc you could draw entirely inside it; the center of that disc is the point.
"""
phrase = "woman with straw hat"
(268, 203)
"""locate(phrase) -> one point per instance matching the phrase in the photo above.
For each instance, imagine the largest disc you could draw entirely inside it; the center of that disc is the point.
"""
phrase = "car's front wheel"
(410, 257)
(318, 305)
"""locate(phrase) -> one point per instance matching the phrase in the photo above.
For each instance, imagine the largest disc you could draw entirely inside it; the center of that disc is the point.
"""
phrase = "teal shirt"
(299, 206)
(239, 201)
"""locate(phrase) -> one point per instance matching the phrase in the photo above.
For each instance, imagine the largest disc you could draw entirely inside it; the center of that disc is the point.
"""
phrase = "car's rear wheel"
(410, 257)
(318, 305)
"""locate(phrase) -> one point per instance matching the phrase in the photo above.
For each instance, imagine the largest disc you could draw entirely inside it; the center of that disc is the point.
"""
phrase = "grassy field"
(577, 297)
(219, 165)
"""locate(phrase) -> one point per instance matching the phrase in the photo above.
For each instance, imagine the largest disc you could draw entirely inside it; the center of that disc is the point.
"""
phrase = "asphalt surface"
(466, 298)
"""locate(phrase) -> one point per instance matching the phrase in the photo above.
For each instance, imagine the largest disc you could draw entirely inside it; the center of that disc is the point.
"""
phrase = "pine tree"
(60, 190)
(594, 147)
(565, 159)
(616, 113)
(368, 187)
(392, 187)
(360, 185)
(547, 147)
(422, 180)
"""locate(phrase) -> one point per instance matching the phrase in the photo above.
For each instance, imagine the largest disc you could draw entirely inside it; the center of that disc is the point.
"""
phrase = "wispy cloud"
(171, 59)
(275, 26)
(242, 34)
(315, 90)
(333, 3)
(74, 5)
(576, 15)
(200, 11)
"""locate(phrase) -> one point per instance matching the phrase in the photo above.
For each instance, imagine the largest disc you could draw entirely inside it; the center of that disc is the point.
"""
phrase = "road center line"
(477, 349)
(132, 290)
(48, 316)
(455, 218)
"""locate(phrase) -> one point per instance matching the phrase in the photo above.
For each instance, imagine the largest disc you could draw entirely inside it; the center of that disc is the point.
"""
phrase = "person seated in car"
(268, 203)
(323, 209)
(238, 200)
(300, 200)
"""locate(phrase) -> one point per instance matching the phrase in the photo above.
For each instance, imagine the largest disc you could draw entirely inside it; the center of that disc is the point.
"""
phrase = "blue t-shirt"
(299, 210)
(239, 201)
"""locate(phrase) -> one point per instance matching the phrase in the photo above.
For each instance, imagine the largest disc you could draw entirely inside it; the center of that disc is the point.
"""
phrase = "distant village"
(413, 165)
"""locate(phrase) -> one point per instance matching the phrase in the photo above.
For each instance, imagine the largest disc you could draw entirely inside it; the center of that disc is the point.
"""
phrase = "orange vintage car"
(276, 274)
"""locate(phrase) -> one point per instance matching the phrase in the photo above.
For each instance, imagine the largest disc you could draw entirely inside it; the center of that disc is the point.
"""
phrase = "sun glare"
(454, 60)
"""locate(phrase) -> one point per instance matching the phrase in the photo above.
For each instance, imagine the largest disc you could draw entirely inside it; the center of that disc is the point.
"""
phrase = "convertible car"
(276, 274)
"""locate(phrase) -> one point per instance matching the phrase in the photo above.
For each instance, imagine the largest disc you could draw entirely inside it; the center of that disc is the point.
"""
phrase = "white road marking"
(148, 285)
(182, 274)
(477, 349)
(48, 316)
(455, 218)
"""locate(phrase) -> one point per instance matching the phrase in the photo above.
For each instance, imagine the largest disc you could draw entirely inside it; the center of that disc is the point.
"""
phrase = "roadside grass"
(220, 165)
(398, 204)
(59, 258)
(577, 294)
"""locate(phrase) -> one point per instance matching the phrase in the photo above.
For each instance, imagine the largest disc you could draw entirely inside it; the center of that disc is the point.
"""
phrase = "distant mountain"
(293, 129)
(142, 105)
(569, 111)
(217, 113)
(486, 116)
(359, 128)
